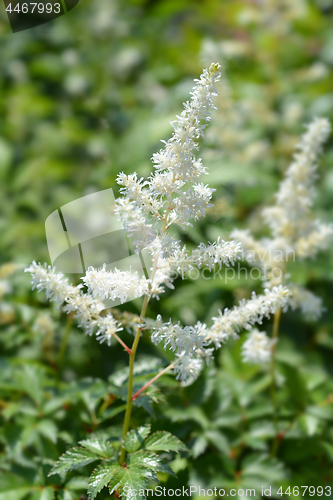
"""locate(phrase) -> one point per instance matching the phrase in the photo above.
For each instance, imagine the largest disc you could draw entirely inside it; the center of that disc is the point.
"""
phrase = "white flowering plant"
(149, 209)
(259, 414)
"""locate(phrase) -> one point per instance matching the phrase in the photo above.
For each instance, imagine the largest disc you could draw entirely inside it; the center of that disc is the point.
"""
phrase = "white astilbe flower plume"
(179, 261)
(175, 182)
(84, 307)
(257, 349)
(231, 321)
(291, 217)
(190, 343)
(295, 232)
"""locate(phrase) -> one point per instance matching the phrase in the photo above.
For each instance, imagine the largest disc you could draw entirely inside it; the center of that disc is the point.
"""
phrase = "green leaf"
(164, 441)
(150, 461)
(131, 480)
(77, 483)
(146, 403)
(101, 478)
(217, 439)
(111, 412)
(296, 385)
(47, 493)
(30, 380)
(67, 495)
(15, 494)
(12, 487)
(48, 429)
(102, 448)
(309, 423)
(199, 446)
(134, 439)
(263, 466)
(74, 459)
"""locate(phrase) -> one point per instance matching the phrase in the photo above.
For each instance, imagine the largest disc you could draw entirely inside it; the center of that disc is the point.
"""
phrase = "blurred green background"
(92, 94)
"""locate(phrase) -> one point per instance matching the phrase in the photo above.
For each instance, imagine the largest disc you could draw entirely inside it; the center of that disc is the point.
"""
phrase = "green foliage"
(70, 121)
(140, 466)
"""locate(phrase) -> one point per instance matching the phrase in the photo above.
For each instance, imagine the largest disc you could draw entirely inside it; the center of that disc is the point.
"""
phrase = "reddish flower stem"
(137, 394)
(127, 349)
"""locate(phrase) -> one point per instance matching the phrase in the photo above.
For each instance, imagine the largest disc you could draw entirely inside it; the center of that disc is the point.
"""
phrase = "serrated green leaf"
(101, 478)
(102, 448)
(164, 441)
(150, 461)
(131, 480)
(134, 438)
(74, 459)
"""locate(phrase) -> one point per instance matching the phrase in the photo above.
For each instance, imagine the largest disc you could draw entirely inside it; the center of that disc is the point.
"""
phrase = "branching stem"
(129, 403)
(130, 400)
(137, 394)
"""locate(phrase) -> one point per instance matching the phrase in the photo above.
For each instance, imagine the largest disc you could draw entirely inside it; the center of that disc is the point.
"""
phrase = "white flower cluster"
(179, 261)
(231, 321)
(189, 343)
(115, 284)
(187, 369)
(294, 230)
(187, 339)
(84, 307)
(174, 189)
(257, 349)
(291, 217)
(219, 252)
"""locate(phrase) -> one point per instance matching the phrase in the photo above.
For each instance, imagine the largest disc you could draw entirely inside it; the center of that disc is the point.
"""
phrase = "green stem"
(275, 334)
(129, 403)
